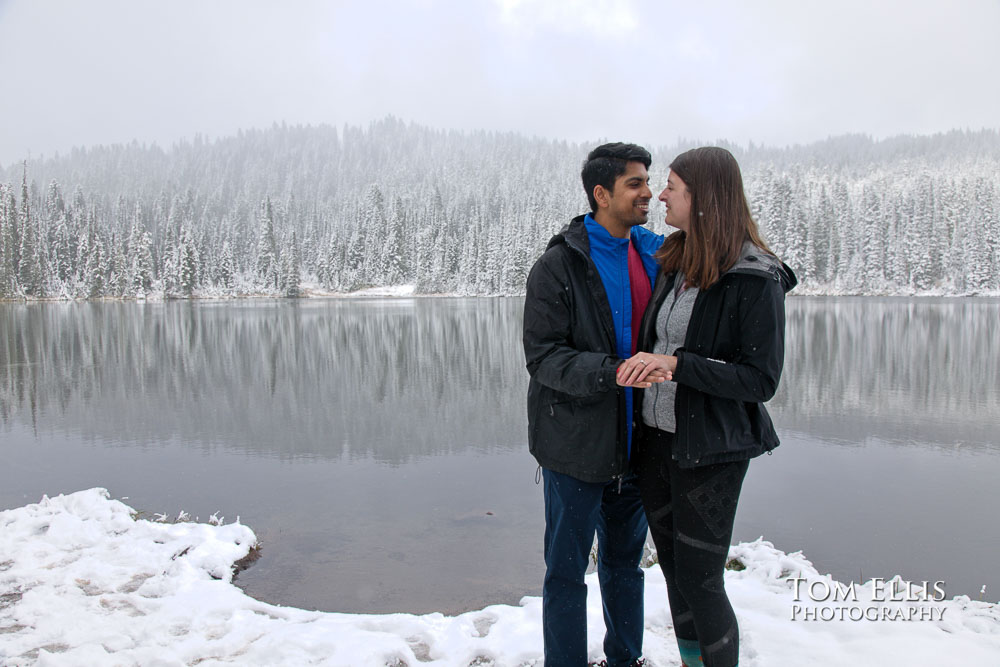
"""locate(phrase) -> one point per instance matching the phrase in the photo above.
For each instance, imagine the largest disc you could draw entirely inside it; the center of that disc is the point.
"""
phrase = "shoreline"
(84, 581)
(390, 293)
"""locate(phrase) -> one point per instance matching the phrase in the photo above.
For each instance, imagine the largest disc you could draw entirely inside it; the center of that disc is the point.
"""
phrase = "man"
(585, 297)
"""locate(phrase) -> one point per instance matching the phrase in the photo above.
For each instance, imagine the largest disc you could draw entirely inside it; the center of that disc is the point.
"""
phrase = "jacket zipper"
(594, 279)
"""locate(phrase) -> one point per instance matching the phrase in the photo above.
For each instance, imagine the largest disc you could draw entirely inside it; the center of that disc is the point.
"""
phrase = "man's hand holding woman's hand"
(644, 369)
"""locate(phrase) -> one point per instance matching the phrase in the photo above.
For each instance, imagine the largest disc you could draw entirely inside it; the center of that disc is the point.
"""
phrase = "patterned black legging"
(691, 513)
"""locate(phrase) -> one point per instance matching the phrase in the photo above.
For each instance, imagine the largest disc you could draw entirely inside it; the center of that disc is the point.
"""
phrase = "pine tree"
(119, 278)
(63, 249)
(290, 268)
(823, 233)
(394, 252)
(374, 264)
(986, 199)
(187, 277)
(32, 274)
(331, 262)
(140, 256)
(897, 267)
(848, 272)
(94, 265)
(8, 223)
(267, 248)
(227, 266)
(353, 274)
(872, 247)
(170, 271)
(54, 204)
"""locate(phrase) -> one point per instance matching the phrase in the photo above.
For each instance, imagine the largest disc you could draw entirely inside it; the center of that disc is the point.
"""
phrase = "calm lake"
(378, 446)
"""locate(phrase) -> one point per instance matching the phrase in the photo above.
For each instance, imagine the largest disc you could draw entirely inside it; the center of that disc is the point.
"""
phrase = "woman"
(715, 323)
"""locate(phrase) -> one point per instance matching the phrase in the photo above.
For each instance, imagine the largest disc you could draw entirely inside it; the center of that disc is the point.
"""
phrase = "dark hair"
(606, 163)
(720, 218)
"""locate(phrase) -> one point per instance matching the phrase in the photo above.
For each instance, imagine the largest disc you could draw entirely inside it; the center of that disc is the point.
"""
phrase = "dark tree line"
(281, 210)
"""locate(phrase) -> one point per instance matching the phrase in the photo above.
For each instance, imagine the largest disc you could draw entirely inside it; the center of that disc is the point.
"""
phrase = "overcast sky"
(80, 73)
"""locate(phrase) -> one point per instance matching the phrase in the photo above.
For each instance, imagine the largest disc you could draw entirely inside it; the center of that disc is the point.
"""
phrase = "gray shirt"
(671, 328)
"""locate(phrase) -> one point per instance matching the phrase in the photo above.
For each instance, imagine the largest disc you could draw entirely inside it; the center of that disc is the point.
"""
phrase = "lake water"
(378, 447)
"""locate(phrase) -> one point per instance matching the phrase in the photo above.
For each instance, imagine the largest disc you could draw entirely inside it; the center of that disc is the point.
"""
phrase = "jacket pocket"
(574, 404)
(581, 430)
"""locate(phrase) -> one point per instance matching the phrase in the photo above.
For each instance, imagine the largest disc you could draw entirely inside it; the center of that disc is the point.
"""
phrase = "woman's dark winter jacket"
(576, 411)
(730, 362)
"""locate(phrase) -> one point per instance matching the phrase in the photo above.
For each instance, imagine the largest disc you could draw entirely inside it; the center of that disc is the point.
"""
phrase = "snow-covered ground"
(83, 582)
(314, 290)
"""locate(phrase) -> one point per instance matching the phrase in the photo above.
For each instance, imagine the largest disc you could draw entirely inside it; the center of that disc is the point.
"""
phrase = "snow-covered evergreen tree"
(466, 212)
(267, 247)
(8, 223)
(226, 273)
(187, 276)
(94, 264)
(140, 259)
(291, 274)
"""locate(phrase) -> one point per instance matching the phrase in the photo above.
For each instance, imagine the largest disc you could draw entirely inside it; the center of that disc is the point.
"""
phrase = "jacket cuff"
(680, 354)
(606, 379)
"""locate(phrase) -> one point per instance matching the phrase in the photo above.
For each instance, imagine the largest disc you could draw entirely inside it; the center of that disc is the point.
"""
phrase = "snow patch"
(83, 582)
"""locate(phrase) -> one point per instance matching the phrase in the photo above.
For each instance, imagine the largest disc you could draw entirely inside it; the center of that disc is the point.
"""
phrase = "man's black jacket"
(576, 411)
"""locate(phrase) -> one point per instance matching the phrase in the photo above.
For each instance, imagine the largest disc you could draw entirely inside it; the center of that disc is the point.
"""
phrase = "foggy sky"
(789, 71)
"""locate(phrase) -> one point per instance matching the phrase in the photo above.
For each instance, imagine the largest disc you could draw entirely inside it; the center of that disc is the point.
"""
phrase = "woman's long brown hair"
(720, 218)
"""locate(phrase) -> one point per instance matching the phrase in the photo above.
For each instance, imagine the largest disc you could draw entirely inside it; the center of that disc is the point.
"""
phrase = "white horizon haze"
(774, 73)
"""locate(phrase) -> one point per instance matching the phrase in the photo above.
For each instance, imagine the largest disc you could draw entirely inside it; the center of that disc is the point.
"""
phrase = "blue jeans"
(574, 510)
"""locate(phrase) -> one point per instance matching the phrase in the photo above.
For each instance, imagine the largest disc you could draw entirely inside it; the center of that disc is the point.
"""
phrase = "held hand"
(644, 368)
(654, 377)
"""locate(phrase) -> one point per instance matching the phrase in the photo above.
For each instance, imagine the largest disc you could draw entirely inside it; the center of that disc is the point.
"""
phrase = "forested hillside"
(271, 211)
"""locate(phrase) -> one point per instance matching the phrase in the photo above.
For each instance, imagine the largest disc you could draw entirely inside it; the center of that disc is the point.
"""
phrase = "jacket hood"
(574, 235)
(755, 261)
